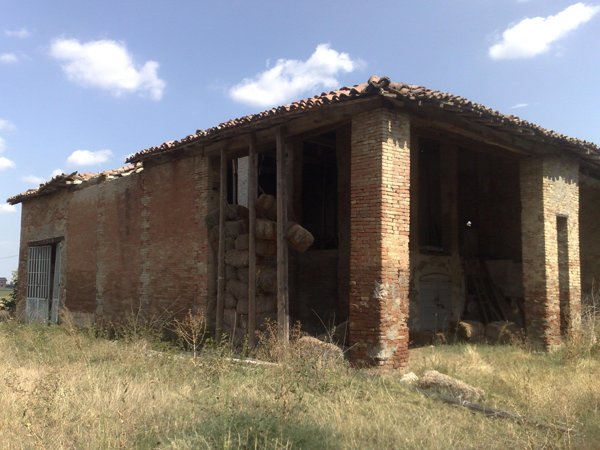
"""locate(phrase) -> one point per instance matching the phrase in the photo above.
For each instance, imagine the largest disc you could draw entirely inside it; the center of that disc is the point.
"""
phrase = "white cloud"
(88, 157)
(21, 33)
(534, 36)
(56, 172)
(6, 125)
(107, 65)
(291, 78)
(32, 179)
(8, 58)
(6, 163)
(519, 105)
(5, 208)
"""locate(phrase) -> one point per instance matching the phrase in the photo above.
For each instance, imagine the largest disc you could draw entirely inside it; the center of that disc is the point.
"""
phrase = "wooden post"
(221, 251)
(252, 189)
(283, 319)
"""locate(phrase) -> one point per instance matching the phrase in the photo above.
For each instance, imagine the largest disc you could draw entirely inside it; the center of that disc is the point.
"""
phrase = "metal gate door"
(55, 306)
(38, 283)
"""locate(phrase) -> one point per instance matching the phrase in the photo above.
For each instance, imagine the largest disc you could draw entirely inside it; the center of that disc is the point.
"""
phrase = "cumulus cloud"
(6, 163)
(534, 36)
(107, 65)
(21, 33)
(88, 157)
(8, 58)
(291, 78)
(6, 125)
(56, 172)
(5, 208)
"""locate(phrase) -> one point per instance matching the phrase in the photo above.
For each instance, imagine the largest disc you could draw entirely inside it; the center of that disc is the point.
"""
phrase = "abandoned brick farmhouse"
(413, 208)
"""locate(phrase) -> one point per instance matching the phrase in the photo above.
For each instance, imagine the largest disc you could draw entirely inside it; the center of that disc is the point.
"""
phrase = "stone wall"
(379, 261)
(549, 194)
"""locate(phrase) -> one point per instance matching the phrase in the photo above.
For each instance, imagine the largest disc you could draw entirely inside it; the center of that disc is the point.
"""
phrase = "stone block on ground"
(317, 348)
(445, 384)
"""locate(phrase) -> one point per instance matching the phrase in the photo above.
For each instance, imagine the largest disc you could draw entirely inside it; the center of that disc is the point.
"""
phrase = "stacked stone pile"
(235, 318)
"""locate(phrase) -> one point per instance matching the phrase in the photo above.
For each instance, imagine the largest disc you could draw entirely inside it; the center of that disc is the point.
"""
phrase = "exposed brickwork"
(380, 217)
(549, 189)
(118, 235)
(132, 242)
(41, 219)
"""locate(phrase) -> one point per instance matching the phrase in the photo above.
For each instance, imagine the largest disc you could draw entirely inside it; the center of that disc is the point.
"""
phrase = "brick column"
(550, 236)
(379, 230)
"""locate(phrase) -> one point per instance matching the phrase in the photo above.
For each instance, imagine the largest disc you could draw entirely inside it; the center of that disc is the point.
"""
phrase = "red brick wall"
(118, 234)
(81, 251)
(549, 187)
(379, 261)
(137, 241)
(41, 218)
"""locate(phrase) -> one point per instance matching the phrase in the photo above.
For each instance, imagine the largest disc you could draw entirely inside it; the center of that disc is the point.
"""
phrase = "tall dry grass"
(66, 388)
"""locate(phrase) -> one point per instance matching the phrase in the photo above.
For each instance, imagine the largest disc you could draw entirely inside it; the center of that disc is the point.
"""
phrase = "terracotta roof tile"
(419, 95)
(65, 181)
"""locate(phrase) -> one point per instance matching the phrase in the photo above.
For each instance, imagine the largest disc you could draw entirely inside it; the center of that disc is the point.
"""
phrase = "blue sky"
(83, 84)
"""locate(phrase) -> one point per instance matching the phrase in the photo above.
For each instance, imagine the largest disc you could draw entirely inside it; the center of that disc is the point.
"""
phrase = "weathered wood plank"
(283, 319)
(252, 189)
(221, 250)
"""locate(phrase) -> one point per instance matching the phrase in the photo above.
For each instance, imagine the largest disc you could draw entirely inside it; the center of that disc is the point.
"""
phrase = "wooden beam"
(283, 319)
(221, 251)
(252, 189)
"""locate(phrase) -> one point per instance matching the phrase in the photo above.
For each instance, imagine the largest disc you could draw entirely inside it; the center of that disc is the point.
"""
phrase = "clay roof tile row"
(73, 179)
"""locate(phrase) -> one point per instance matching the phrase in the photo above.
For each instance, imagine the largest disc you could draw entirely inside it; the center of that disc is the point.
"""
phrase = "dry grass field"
(67, 388)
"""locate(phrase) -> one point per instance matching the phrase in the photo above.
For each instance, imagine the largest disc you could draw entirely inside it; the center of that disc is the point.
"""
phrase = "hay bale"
(470, 330)
(266, 279)
(241, 242)
(230, 301)
(236, 288)
(242, 274)
(299, 238)
(229, 318)
(266, 248)
(264, 305)
(432, 379)
(230, 272)
(266, 207)
(236, 258)
(501, 332)
(266, 229)
(234, 228)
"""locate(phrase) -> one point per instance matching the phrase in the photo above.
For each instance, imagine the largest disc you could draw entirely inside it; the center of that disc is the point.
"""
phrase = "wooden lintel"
(283, 319)
(221, 252)
(252, 190)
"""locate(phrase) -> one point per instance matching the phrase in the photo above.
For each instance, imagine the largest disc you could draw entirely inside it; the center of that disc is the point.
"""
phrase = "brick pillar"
(550, 237)
(379, 230)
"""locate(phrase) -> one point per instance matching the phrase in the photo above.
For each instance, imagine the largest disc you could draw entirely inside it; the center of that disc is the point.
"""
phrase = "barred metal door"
(54, 308)
(38, 283)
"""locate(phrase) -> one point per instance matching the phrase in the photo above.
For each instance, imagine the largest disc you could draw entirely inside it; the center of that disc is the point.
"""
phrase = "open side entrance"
(43, 282)
(317, 199)
(466, 231)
